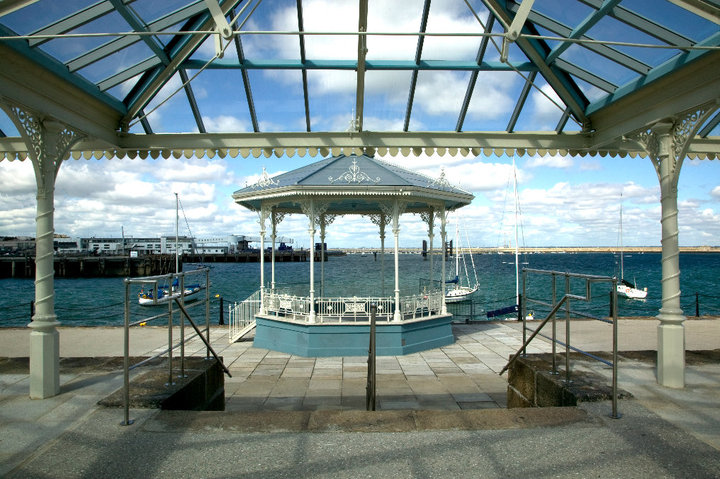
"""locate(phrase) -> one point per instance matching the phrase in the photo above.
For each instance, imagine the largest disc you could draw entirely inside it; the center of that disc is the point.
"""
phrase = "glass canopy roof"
(367, 65)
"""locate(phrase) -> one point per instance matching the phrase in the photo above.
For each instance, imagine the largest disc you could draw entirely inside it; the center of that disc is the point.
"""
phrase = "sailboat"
(461, 292)
(513, 308)
(624, 287)
(165, 294)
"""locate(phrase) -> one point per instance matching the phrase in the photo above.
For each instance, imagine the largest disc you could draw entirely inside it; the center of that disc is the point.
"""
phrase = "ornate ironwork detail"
(354, 175)
(324, 219)
(441, 182)
(265, 181)
(277, 217)
(685, 127)
(35, 132)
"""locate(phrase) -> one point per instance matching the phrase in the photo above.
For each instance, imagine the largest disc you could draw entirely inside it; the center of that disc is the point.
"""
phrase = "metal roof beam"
(536, 52)
(129, 73)
(695, 80)
(46, 87)
(473, 76)
(709, 126)
(418, 57)
(301, 39)
(521, 102)
(362, 52)
(643, 24)
(180, 50)
(292, 64)
(608, 52)
(246, 84)
(583, 27)
(118, 44)
(563, 121)
(71, 22)
(585, 75)
(709, 10)
(191, 99)
(362, 139)
(139, 26)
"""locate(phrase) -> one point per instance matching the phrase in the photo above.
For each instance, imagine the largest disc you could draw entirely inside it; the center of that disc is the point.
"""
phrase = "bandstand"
(316, 325)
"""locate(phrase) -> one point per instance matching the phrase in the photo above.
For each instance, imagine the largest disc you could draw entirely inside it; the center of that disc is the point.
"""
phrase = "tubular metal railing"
(172, 298)
(555, 305)
(241, 316)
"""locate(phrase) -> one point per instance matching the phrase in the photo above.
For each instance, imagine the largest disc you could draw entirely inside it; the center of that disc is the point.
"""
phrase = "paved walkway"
(440, 412)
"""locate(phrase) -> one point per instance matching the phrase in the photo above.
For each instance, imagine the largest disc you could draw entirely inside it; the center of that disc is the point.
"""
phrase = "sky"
(564, 200)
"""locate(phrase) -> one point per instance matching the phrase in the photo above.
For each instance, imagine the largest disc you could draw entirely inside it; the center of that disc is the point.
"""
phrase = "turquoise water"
(94, 302)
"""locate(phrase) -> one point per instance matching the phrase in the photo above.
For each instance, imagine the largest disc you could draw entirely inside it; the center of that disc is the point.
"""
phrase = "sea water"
(100, 301)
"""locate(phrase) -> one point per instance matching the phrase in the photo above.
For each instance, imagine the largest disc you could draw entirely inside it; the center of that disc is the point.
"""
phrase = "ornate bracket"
(49, 142)
(381, 221)
(681, 129)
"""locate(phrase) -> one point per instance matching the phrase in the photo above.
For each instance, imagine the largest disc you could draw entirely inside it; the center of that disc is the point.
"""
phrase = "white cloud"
(549, 162)
(225, 123)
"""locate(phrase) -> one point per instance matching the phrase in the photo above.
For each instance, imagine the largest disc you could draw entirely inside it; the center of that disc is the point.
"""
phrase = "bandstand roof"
(479, 76)
(353, 184)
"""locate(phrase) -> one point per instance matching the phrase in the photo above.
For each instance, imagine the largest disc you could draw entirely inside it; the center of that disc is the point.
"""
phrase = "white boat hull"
(192, 293)
(630, 292)
(458, 294)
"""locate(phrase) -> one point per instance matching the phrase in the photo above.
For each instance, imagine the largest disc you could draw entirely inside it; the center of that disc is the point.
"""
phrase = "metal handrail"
(179, 300)
(556, 305)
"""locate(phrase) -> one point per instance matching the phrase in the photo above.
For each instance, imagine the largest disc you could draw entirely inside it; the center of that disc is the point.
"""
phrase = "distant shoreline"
(546, 249)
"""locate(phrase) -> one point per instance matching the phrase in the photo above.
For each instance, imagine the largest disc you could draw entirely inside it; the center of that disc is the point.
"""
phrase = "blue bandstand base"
(346, 339)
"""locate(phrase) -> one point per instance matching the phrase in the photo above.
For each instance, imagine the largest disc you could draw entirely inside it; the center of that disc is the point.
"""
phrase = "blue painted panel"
(316, 340)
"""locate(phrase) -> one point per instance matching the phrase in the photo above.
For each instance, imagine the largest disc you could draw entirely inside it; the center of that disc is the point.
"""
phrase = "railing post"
(170, 337)
(524, 316)
(697, 305)
(370, 388)
(221, 319)
(126, 358)
(207, 311)
(567, 330)
(181, 291)
(613, 295)
(554, 325)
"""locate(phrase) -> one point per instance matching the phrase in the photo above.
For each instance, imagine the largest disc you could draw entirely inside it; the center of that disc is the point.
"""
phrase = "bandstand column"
(48, 143)
(429, 218)
(383, 222)
(324, 221)
(396, 233)
(264, 213)
(312, 210)
(443, 238)
(275, 219)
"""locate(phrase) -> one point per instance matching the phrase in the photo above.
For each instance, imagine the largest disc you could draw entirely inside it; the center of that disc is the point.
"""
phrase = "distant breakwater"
(114, 266)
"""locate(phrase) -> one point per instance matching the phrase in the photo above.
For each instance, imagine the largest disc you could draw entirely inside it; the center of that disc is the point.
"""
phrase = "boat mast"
(517, 268)
(622, 272)
(177, 220)
(457, 257)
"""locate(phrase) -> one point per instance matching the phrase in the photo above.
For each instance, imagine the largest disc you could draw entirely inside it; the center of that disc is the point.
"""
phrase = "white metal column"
(264, 212)
(666, 142)
(443, 237)
(671, 331)
(396, 232)
(48, 142)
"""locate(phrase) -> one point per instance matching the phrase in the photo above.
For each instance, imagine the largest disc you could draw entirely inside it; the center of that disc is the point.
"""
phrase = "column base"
(44, 363)
(671, 350)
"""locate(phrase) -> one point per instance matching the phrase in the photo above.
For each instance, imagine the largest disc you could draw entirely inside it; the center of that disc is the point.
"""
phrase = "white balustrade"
(351, 309)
